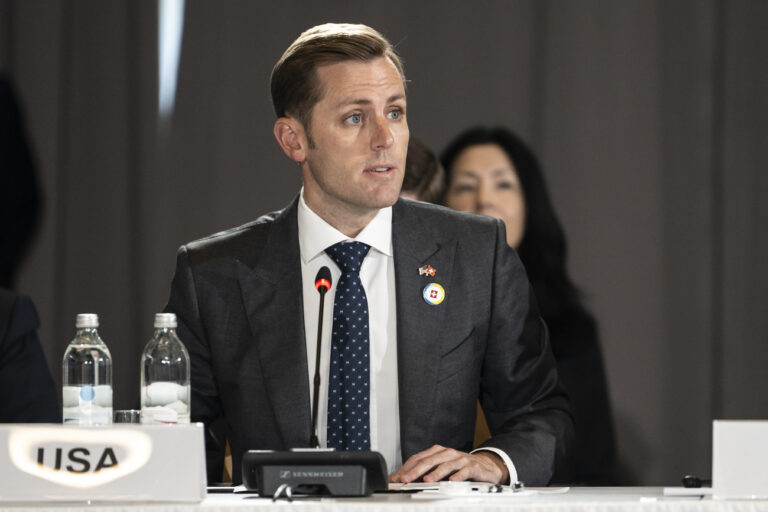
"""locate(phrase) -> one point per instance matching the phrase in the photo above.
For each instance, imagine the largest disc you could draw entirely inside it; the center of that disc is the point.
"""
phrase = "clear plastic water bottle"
(87, 376)
(165, 392)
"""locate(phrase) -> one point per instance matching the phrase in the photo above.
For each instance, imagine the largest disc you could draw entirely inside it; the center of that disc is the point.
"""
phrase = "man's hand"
(439, 462)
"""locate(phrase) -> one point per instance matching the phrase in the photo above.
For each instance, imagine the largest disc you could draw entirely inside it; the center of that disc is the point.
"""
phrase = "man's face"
(360, 138)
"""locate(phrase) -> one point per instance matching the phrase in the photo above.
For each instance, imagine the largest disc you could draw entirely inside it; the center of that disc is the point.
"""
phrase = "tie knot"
(348, 255)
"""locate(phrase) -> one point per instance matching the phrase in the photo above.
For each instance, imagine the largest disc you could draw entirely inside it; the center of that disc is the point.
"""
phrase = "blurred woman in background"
(492, 172)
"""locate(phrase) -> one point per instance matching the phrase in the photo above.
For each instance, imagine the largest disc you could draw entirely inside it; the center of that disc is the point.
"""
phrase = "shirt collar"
(316, 235)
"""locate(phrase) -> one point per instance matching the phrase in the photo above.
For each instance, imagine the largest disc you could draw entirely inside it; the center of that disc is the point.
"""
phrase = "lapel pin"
(427, 270)
(433, 294)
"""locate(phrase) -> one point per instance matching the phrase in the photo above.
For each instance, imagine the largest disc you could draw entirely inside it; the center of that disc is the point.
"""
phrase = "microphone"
(338, 473)
(323, 282)
(322, 285)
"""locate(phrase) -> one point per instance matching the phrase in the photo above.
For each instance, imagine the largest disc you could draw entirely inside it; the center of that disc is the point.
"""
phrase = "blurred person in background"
(19, 197)
(29, 394)
(492, 172)
(424, 178)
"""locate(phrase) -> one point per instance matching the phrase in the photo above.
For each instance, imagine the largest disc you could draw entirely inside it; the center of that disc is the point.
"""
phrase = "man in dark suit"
(29, 394)
(432, 310)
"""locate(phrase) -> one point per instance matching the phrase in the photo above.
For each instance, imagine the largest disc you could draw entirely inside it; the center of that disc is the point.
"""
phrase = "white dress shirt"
(377, 275)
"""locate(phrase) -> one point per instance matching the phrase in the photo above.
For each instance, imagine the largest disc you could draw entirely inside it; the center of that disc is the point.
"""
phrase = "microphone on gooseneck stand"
(322, 285)
(338, 473)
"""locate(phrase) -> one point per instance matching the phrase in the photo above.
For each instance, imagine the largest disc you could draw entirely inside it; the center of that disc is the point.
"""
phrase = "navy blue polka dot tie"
(349, 380)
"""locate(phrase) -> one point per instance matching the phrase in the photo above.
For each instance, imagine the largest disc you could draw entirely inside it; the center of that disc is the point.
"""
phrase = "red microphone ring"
(322, 283)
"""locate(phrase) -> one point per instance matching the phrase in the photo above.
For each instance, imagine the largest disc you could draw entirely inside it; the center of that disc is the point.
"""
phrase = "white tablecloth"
(577, 499)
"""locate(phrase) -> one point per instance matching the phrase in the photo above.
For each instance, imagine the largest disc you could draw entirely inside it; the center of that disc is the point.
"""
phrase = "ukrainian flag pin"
(433, 294)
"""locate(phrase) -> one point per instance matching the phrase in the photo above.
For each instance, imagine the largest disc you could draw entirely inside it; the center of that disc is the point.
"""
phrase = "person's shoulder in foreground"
(29, 394)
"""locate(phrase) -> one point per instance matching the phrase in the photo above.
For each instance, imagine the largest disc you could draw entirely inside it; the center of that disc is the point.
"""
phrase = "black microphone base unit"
(314, 472)
(313, 480)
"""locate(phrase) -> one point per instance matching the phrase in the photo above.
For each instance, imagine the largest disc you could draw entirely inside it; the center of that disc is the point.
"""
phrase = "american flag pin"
(427, 270)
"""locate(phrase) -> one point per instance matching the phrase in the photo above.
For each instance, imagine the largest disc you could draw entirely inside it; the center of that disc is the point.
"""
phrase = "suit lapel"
(418, 323)
(272, 294)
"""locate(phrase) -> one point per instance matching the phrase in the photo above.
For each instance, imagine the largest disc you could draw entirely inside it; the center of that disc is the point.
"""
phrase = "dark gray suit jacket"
(238, 298)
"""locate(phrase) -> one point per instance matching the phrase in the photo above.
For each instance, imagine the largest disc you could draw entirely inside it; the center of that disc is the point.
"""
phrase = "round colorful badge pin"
(433, 294)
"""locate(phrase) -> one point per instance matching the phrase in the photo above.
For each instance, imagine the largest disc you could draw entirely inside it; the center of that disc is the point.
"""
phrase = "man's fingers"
(422, 462)
(478, 469)
(465, 467)
(445, 469)
(439, 462)
(425, 464)
(412, 463)
(429, 452)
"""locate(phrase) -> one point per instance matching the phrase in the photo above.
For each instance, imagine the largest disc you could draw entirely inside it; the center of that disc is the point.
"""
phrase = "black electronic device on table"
(312, 472)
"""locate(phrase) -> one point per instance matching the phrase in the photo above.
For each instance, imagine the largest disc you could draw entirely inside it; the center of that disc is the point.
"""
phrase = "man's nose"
(382, 137)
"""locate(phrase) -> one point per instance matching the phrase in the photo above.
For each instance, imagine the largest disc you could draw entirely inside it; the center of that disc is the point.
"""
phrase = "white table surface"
(577, 499)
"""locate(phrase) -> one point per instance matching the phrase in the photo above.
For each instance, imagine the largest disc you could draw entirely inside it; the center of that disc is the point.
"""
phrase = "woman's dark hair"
(543, 247)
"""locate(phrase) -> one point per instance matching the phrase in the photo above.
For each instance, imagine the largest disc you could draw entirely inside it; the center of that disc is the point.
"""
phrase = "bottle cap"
(165, 321)
(87, 321)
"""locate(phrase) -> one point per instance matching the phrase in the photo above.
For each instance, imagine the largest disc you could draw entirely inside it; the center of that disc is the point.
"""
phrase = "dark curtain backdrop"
(650, 118)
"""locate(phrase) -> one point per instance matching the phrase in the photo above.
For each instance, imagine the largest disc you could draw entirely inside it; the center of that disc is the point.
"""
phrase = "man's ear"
(290, 135)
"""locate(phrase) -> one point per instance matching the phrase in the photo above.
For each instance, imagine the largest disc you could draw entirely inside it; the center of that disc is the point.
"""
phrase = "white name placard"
(122, 462)
(740, 459)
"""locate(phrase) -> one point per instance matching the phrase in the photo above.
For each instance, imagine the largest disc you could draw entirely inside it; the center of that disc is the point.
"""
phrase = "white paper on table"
(687, 491)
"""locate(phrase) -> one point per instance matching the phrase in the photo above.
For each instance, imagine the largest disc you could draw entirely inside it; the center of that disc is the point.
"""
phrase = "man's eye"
(395, 114)
(355, 119)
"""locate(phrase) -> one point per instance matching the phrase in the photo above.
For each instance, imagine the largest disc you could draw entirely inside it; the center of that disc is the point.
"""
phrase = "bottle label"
(87, 405)
(159, 415)
(165, 402)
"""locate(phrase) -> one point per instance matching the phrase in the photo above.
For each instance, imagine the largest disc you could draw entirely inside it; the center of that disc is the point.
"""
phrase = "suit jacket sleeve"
(29, 394)
(206, 405)
(526, 409)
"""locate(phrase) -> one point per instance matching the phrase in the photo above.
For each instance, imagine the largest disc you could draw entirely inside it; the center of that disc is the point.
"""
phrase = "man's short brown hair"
(294, 84)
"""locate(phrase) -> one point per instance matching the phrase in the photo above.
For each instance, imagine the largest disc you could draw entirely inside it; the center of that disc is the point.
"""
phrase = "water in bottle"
(87, 376)
(165, 392)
